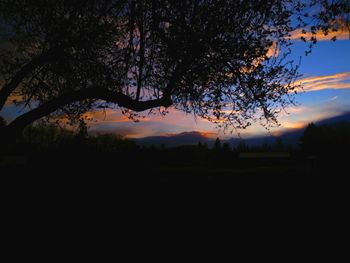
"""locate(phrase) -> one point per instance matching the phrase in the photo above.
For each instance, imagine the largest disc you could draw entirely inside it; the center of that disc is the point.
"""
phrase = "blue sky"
(327, 57)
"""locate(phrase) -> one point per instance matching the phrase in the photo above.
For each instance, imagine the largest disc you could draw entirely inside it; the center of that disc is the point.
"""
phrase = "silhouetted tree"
(332, 140)
(279, 146)
(213, 58)
(42, 136)
(82, 130)
(311, 139)
(226, 147)
(327, 146)
(242, 147)
(217, 145)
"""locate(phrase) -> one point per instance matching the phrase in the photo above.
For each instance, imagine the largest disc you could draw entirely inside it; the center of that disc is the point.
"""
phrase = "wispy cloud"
(335, 81)
(13, 98)
(342, 34)
(294, 125)
(294, 110)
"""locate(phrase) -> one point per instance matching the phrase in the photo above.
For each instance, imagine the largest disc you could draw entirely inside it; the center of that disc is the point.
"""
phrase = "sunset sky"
(326, 80)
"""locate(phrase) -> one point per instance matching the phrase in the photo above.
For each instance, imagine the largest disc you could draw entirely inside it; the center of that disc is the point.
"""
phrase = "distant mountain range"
(194, 137)
(345, 117)
(184, 138)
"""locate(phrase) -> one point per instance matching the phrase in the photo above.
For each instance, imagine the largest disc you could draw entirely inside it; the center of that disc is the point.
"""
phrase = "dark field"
(147, 165)
(54, 155)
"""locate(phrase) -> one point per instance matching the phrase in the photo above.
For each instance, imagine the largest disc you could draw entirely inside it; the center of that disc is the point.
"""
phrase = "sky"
(325, 77)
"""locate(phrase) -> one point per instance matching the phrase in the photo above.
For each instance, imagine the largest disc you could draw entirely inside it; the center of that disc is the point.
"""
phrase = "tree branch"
(16, 126)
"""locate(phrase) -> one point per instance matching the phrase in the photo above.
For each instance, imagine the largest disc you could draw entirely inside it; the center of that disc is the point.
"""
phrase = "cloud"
(113, 121)
(294, 125)
(335, 81)
(342, 34)
(13, 98)
(273, 51)
(105, 116)
(293, 110)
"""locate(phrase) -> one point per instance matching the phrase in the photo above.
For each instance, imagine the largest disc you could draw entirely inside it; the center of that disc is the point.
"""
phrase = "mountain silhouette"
(345, 117)
(193, 137)
(173, 140)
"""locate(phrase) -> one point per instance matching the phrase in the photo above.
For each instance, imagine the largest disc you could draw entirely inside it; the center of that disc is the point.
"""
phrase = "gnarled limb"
(16, 127)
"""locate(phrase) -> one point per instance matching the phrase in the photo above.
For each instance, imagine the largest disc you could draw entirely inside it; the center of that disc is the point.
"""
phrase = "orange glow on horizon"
(293, 125)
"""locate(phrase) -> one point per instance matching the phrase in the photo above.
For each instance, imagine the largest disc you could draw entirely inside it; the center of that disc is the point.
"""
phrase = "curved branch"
(16, 126)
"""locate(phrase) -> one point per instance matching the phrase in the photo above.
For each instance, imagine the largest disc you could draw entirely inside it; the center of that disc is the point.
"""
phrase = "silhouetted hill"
(254, 141)
(345, 117)
(173, 140)
(290, 137)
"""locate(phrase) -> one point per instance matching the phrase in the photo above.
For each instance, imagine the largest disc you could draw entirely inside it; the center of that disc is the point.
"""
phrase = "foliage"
(41, 137)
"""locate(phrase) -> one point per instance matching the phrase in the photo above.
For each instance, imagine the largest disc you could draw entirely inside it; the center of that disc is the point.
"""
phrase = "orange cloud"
(13, 98)
(335, 81)
(294, 125)
(341, 34)
(209, 134)
(109, 115)
(273, 51)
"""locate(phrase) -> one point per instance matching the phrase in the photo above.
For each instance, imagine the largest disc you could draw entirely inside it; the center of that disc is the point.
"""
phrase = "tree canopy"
(226, 61)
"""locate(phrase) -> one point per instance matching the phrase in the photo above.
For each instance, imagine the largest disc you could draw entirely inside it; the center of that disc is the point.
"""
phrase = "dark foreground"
(110, 180)
(46, 155)
(109, 167)
(61, 157)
